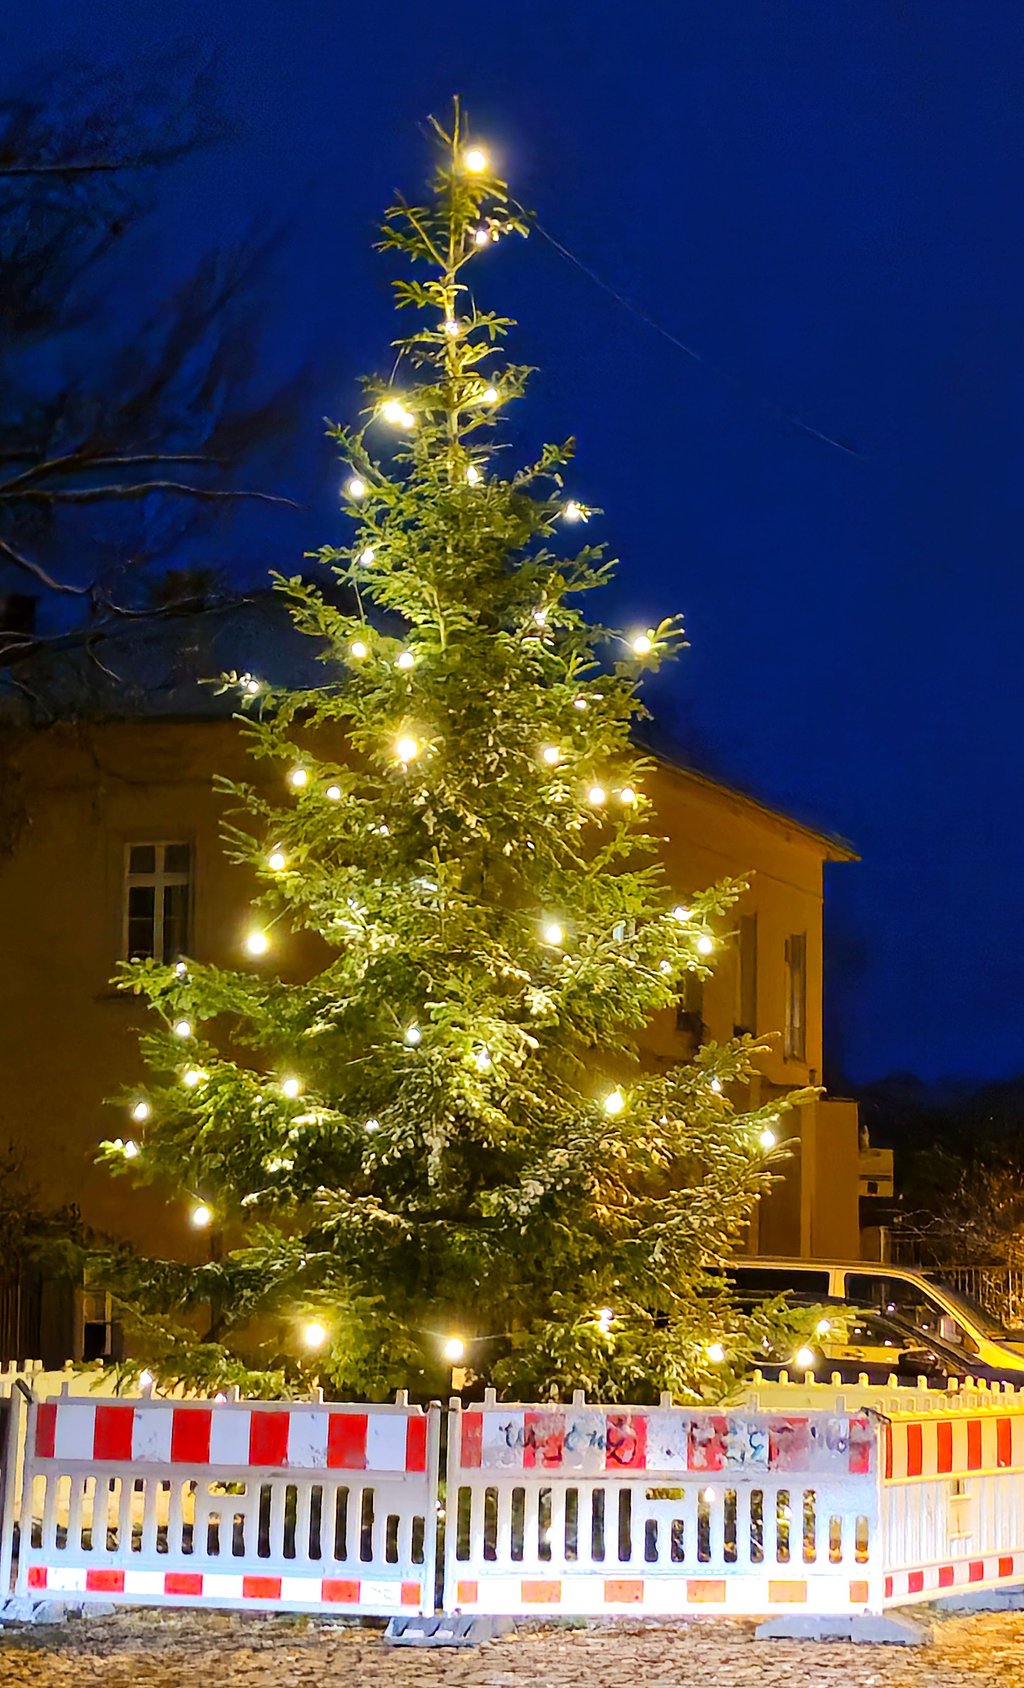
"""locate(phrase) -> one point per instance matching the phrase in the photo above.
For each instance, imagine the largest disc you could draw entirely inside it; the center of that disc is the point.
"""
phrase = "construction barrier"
(292, 1507)
(585, 1510)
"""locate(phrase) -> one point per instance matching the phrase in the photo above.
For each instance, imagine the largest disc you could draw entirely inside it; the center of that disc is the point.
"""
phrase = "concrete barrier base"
(891, 1629)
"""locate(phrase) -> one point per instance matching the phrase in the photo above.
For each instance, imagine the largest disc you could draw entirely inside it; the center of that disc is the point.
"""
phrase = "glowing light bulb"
(627, 795)
(253, 687)
(483, 1060)
(413, 1036)
(597, 795)
(141, 1111)
(291, 1087)
(614, 1102)
(356, 487)
(705, 944)
(201, 1216)
(681, 912)
(490, 395)
(767, 1138)
(367, 555)
(277, 861)
(604, 1320)
(183, 1028)
(333, 793)
(452, 327)
(358, 650)
(298, 778)
(473, 475)
(716, 1085)
(372, 1125)
(475, 160)
(314, 1334)
(553, 933)
(573, 512)
(823, 1327)
(579, 703)
(804, 1358)
(180, 969)
(551, 755)
(146, 1380)
(192, 1077)
(540, 617)
(393, 410)
(257, 943)
(454, 1350)
(406, 748)
(481, 237)
(131, 1149)
(405, 660)
(642, 644)
(715, 1353)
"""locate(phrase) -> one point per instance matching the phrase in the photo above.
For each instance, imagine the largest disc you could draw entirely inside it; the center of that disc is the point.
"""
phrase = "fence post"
(8, 1495)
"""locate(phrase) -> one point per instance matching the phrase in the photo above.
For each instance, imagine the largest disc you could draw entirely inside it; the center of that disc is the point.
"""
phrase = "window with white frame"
(157, 900)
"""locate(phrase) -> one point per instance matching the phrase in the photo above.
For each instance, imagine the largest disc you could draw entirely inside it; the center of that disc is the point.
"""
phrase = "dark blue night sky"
(822, 197)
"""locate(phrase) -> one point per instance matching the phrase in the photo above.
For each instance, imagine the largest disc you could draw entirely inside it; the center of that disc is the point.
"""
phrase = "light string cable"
(768, 405)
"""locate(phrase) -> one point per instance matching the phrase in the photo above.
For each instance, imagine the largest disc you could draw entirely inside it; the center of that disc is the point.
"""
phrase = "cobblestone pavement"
(225, 1650)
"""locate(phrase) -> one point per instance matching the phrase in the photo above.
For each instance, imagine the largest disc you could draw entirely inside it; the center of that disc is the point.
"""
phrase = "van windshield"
(982, 1319)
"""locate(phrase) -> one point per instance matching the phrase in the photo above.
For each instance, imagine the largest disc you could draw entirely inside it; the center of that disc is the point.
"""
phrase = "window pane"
(141, 908)
(142, 858)
(175, 921)
(177, 858)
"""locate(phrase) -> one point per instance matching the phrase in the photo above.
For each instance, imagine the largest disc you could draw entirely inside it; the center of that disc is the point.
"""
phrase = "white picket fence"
(286, 1506)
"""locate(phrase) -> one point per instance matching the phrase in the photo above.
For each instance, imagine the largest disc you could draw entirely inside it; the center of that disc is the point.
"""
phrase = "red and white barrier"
(591, 1510)
(290, 1506)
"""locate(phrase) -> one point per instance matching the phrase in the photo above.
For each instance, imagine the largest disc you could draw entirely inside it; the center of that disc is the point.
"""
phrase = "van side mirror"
(949, 1330)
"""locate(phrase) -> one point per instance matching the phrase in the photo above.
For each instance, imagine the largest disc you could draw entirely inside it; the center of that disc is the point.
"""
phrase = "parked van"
(917, 1298)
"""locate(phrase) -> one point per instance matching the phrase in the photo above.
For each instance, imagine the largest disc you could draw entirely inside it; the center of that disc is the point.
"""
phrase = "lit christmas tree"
(445, 1147)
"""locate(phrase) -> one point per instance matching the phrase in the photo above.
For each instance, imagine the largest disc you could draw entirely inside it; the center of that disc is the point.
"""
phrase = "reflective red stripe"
(888, 1450)
(46, 1429)
(974, 1444)
(915, 1450)
(416, 1444)
(105, 1582)
(945, 1576)
(183, 1582)
(1004, 1442)
(472, 1439)
(346, 1441)
(261, 1588)
(268, 1438)
(944, 1445)
(337, 1590)
(37, 1576)
(112, 1434)
(1006, 1566)
(190, 1435)
(915, 1582)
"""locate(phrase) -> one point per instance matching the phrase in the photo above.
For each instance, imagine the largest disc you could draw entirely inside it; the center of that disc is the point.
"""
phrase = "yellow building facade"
(108, 825)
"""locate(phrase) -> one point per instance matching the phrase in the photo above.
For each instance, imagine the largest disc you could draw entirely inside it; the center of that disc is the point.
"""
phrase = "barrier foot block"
(445, 1631)
(22, 1609)
(982, 1599)
(886, 1628)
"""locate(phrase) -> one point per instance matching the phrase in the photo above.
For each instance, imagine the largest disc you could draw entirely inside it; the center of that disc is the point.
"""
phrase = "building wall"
(68, 1038)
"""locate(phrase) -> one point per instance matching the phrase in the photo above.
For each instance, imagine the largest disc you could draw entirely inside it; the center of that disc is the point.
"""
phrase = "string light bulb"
(681, 913)
(253, 687)
(579, 703)
(192, 1077)
(452, 327)
(358, 650)
(372, 1125)
(413, 1036)
(141, 1112)
(405, 660)
(481, 237)
(490, 395)
(146, 1380)
(257, 943)
(291, 1087)
(715, 1353)
(201, 1216)
(716, 1085)
(180, 968)
(604, 1320)
(597, 795)
(804, 1358)
(705, 944)
(131, 1148)
(356, 487)
(551, 755)
(407, 748)
(454, 1350)
(823, 1327)
(475, 161)
(483, 1061)
(183, 1028)
(627, 795)
(553, 934)
(298, 778)
(472, 475)
(642, 644)
(393, 410)
(614, 1102)
(333, 793)
(367, 555)
(314, 1334)
(767, 1138)
(277, 861)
